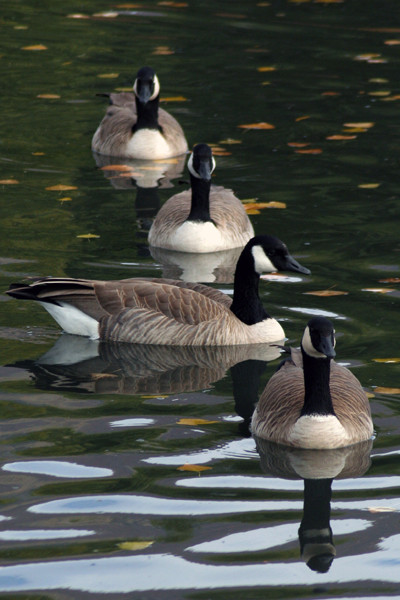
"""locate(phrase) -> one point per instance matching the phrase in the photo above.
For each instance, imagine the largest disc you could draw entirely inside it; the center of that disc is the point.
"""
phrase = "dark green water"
(91, 498)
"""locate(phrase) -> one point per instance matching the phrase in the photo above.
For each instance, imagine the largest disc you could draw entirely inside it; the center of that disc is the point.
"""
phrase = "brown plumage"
(283, 416)
(203, 219)
(168, 312)
(134, 126)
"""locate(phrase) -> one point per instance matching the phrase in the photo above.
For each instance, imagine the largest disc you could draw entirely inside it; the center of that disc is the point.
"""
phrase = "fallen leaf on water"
(390, 280)
(64, 199)
(381, 509)
(49, 96)
(110, 14)
(330, 94)
(326, 293)
(134, 545)
(391, 98)
(378, 290)
(310, 151)
(380, 93)
(35, 47)
(368, 186)
(253, 211)
(259, 205)
(386, 360)
(354, 130)
(366, 56)
(370, 395)
(128, 5)
(194, 422)
(78, 16)
(195, 468)
(302, 118)
(173, 4)
(88, 236)
(230, 141)
(265, 69)
(378, 80)
(108, 75)
(221, 152)
(341, 137)
(298, 144)
(362, 124)
(8, 181)
(61, 188)
(174, 99)
(38, 153)
(261, 125)
(162, 50)
(392, 42)
(386, 390)
(116, 168)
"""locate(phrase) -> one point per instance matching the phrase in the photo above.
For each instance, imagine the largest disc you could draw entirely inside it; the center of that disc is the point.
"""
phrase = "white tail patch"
(72, 320)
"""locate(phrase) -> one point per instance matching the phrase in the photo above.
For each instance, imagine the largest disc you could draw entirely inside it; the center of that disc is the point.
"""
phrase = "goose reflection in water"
(76, 363)
(318, 469)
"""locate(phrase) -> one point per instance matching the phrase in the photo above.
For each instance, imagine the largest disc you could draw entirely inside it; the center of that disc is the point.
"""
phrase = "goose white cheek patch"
(308, 345)
(262, 263)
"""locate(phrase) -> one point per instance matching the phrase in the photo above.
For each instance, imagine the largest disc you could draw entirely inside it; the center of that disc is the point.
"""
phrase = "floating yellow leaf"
(88, 236)
(173, 4)
(382, 509)
(380, 93)
(8, 181)
(341, 137)
(116, 168)
(378, 290)
(391, 98)
(259, 205)
(327, 293)
(302, 118)
(363, 125)
(387, 390)
(355, 130)
(370, 395)
(309, 151)
(390, 280)
(49, 96)
(366, 56)
(369, 186)
(195, 468)
(64, 199)
(230, 141)
(77, 16)
(392, 42)
(162, 50)
(61, 188)
(108, 75)
(298, 144)
(195, 422)
(110, 14)
(38, 153)
(378, 80)
(174, 99)
(261, 125)
(386, 360)
(253, 211)
(134, 545)
(265, 69)
(35, 47)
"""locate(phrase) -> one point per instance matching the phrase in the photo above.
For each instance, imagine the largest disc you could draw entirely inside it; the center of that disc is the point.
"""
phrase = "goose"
(168, 312)
(134, 126)
(311, 401)
(203, 219)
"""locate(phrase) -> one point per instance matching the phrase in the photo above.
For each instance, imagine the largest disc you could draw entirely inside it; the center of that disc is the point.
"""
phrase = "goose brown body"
(114, 135)
(280, 405)
(227, 214)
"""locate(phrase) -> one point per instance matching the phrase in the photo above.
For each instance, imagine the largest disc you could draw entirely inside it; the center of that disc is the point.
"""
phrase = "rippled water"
(131, 471)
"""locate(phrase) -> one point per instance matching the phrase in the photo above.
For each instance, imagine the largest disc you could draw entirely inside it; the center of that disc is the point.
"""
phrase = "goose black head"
(319, 338)
(201, 162)
(146, 86)
(271, 254)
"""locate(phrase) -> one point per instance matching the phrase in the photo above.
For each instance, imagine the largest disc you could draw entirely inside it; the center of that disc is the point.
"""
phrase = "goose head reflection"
(318, 469)
(78, 364)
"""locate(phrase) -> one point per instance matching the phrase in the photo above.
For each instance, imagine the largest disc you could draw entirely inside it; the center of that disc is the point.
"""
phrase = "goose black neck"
(147, 115)
(200, 208)
(317, 394)
(246, 304)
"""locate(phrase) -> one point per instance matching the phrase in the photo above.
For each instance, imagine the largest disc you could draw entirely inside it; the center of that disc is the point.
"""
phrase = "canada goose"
(134, 126)
(311, 401)
(168, 312)
(203, 219)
